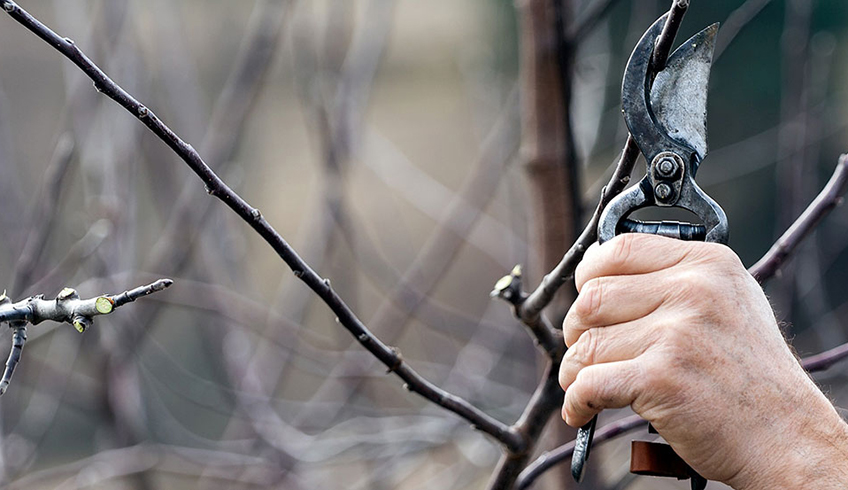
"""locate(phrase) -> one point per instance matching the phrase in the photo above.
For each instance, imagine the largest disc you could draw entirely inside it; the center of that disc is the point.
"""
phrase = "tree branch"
(66, 308)
(824, 203)
(820, 362)
(529, 309)
(215, 186)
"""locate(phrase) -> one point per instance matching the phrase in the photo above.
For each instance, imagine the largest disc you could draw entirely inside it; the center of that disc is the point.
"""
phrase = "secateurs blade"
(666, 115)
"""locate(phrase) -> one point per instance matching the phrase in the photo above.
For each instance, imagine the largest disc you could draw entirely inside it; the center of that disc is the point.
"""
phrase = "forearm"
(811, 452)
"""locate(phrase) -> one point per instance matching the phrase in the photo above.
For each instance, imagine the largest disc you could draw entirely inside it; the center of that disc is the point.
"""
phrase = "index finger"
(635, 253)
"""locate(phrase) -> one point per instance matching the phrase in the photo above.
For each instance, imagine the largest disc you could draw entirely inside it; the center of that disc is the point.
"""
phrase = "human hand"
(684, 335)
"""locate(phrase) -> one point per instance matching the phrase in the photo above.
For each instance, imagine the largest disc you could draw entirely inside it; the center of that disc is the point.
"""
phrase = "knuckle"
(588, 303)
(580, 355)
(585, 348)
(721, 255)
(566, 376)
(623, 248)
(690, 282)
(675, 339)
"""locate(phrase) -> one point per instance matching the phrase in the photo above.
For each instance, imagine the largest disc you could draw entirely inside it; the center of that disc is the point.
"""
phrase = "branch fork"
(67, 307)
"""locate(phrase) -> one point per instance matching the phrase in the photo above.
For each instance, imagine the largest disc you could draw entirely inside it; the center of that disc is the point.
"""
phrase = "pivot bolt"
(663, 191)
(667, 167)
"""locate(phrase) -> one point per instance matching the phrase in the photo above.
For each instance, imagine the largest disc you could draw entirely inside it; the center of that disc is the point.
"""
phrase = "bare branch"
(18, 340)
(669, 32)
(820, 362)
(530, 309)
(66, 308)
(69, 308)
(217, 187)
(826, 201)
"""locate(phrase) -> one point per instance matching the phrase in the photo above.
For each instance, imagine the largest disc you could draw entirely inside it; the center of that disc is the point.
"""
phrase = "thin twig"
(826, 201)
(669, 32)
(252, 216)
(68, 307)
(530, 309)
(826, 359)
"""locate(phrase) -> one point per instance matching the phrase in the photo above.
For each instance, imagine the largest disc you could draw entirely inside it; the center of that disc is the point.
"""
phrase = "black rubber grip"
(671, 229)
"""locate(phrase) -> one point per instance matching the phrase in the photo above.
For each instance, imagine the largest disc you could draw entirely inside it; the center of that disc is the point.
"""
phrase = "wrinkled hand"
(684, 335)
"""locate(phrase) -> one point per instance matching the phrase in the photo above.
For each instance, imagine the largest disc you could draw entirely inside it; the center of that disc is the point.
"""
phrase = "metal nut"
(667, 167)
(663, 191)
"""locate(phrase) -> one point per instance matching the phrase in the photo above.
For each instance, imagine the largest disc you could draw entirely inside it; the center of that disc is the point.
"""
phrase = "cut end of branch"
(103, 305)
(509, 286)
(161, 284)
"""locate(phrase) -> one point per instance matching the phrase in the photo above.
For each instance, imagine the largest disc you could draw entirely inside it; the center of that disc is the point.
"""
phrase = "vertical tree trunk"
(547, 150)
(549, 158)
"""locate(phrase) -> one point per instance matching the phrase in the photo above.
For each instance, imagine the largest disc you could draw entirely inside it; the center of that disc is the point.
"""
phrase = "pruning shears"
(666, 116)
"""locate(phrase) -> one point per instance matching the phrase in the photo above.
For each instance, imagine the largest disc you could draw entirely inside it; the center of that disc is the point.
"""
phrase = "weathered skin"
(684, 335)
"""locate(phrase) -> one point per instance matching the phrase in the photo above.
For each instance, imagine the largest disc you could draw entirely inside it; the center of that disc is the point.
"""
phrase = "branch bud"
(81, 323)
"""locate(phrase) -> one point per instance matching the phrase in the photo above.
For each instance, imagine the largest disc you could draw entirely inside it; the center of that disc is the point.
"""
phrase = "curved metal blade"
(634, 96)
(679, 93)
(670, 113)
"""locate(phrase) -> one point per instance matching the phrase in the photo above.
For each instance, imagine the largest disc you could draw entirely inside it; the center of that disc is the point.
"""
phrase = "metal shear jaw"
(673, 103)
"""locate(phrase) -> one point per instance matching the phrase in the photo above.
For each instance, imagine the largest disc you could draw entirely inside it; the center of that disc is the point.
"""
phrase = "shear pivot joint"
(667, 172)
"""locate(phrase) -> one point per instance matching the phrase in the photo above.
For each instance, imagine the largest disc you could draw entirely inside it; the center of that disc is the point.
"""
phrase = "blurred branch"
(444, 243)
(590, 19)
(824, 203)
(126, 461)
(45, 213)
(737, 21)
(826, 359)
(216, 187)
(226, 126)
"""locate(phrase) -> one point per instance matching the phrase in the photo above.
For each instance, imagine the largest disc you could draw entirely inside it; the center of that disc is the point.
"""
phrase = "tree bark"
(549, 159)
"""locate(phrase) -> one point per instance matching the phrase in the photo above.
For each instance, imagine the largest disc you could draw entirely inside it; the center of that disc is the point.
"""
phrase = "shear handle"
(692, 199)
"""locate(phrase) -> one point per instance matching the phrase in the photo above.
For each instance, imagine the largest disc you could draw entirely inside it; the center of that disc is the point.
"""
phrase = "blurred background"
(381, 138)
